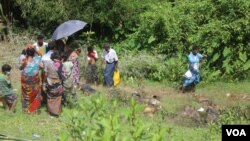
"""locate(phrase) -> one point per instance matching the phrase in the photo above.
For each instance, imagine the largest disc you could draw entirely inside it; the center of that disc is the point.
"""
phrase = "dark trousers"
(108, 74)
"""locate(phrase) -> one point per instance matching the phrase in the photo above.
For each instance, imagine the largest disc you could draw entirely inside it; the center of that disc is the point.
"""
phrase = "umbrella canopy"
(68, 28)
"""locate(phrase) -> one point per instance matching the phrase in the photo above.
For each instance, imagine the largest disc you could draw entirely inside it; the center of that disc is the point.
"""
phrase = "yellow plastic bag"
(116, 77)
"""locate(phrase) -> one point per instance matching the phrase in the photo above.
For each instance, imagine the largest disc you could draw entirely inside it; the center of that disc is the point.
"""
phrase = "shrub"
(100, 119)
(219, 28)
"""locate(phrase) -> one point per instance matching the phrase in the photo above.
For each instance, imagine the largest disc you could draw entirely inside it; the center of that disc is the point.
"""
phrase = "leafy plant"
(98, 119)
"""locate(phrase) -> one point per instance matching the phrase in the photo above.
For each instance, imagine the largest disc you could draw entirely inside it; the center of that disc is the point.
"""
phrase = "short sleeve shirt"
(32, 68)
(42, 49)
(110, 56)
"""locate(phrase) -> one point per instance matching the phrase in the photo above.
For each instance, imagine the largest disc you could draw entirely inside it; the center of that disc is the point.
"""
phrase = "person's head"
(28, 45)
(78, 51)
(90, 49)
(55, 56)
(60, 45)
(106, 46)
(195, 50)
(6, 69)
(65, 57)
(30, 52)
(51, 46)
(23, 52)
(40, 40)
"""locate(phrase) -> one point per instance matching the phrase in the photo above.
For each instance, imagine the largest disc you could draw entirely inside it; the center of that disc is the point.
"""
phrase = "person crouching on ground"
(191, 81)
(91, 68)
(53, 85)
(111, 60)
(7, 95)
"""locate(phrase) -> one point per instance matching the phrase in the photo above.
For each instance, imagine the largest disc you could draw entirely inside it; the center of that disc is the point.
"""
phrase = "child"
(6, 94)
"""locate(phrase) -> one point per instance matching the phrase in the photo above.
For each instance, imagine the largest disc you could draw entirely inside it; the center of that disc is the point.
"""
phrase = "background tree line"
(167, 27)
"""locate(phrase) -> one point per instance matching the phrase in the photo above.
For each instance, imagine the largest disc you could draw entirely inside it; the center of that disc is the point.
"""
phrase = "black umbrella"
(68, 28)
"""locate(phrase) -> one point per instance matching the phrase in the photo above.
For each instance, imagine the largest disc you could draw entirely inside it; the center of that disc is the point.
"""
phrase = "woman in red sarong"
(30, 80)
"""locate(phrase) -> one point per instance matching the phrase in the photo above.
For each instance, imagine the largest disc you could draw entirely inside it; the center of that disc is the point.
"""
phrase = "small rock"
(87, 88)
(228, 94)
(201, 109)
(36, 135)
(149, 109)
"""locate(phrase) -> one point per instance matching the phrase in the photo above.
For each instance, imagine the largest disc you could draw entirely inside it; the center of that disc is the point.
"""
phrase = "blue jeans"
(194, 79)
(108, 74)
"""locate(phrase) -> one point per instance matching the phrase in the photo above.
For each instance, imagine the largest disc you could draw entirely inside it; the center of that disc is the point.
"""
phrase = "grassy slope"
(23, 126)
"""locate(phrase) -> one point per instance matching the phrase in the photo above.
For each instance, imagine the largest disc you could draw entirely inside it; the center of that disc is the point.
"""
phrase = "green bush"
(219, 28)
(113, 19)
(100, 119)
(158, 67)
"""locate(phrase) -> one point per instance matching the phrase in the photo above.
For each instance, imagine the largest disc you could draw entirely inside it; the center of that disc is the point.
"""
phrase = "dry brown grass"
(9, 54)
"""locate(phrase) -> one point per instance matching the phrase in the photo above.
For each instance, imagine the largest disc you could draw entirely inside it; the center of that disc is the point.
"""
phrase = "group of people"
(50, 75)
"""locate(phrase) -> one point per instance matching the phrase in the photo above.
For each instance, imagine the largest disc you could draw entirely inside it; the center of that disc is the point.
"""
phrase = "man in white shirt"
(40, 45)
(50, 51)
(111, 60)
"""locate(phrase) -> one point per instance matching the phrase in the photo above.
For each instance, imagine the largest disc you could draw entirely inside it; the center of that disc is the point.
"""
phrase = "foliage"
(98, 119)
(104, 17)
(219, 28)
(232, 115)
(155, 67)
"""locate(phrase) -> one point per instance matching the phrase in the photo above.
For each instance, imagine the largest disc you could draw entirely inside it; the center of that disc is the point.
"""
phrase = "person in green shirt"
(7, 96)
(69, 94)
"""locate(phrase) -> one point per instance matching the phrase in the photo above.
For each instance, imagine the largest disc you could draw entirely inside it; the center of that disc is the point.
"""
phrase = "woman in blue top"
(194, 74)
(30, 80)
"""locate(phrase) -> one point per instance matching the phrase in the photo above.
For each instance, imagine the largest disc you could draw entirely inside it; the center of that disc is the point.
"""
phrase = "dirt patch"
(237, 97)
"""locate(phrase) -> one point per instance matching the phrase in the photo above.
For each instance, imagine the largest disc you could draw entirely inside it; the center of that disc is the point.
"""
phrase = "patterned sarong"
(31, 93)
(54, 98)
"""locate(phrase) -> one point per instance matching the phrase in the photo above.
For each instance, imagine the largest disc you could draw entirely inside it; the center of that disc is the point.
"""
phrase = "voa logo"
(236, 132)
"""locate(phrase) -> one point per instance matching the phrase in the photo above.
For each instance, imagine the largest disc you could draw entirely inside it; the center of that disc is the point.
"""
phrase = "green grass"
(182, 129)
(24, 126)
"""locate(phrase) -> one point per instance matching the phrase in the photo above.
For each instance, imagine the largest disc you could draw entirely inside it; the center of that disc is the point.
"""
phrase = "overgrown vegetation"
(171, 28)
(152, 39)
(99, 118)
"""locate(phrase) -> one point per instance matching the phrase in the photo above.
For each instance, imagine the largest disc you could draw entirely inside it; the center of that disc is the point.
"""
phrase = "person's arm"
(45, 69)
(8, 80)
(23, 63)
(35, 46)
(96, 55)
(41, 65)
(200, 55)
